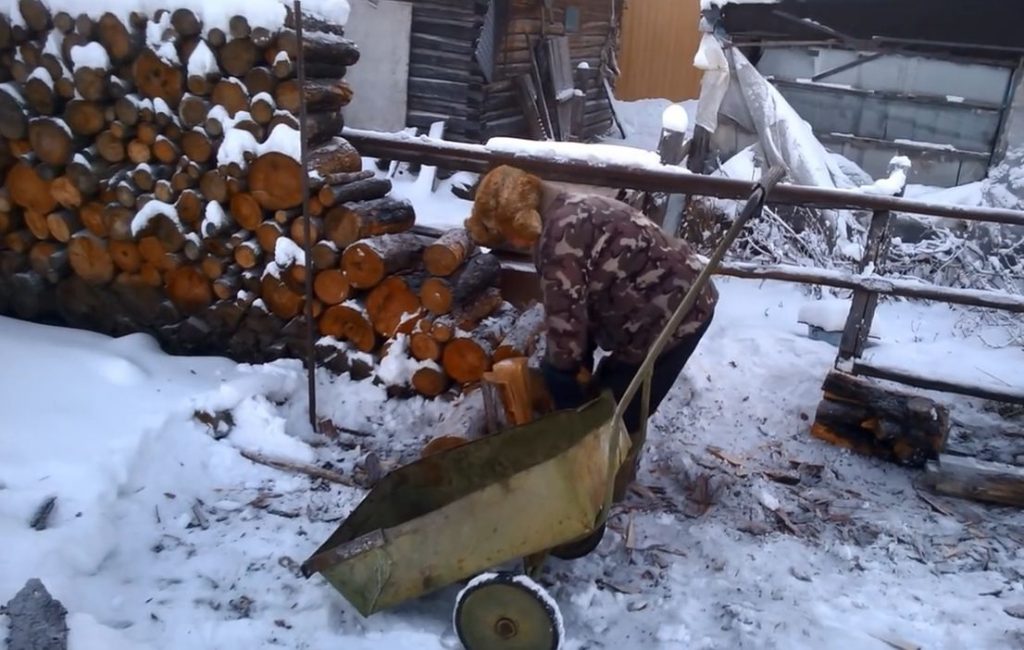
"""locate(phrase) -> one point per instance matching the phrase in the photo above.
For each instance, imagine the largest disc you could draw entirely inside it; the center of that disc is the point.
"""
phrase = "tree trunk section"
(157, 79)
(970, 478)
(445, 328)
(85, 118)
(321, 95)
(238, 57)
(360, 190)
(90, 259)
(441, 295)
(394, 304)
(521, 339)
(449, 252)
(367, 262)
(900, 427)
(188, 289)
(349, 322)
(331, 286)
(348, 223)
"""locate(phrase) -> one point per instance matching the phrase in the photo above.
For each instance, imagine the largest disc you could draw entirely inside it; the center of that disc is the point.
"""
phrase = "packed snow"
(284, 140)
(288, 253)
(90, 55)
(237, 145)
(152, 210)
(165, 536)
(594, 154)
(674, 118)
(202, 62)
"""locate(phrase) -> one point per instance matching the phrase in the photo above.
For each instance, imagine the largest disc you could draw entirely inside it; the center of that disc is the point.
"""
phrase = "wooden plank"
(430, 42)
(863, 304)
(1008, 395)
(970, 478)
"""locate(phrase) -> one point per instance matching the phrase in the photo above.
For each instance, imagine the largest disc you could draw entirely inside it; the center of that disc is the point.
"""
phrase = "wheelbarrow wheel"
(507, 611)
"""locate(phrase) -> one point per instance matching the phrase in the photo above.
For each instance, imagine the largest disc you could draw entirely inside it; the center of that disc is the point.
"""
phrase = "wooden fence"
(675, 180)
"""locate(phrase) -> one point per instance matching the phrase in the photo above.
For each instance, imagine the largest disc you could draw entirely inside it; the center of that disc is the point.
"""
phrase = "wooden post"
(672, 149)
(862, 307)
(307, 234)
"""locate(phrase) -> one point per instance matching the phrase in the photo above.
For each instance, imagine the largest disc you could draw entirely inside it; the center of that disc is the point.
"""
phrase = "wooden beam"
(1008, 395)
(970, 478)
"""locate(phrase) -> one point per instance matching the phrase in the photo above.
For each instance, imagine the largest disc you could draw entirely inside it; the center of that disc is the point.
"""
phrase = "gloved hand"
(566, 391)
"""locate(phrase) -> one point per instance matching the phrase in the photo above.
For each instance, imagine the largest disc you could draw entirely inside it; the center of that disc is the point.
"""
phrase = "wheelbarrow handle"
(752, 208)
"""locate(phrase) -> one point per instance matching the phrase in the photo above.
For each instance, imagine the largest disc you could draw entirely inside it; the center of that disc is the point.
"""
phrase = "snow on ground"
(642, 120)
(165, 537)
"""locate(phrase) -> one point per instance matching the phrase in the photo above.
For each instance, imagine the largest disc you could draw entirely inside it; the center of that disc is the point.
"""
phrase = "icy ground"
(164, 537)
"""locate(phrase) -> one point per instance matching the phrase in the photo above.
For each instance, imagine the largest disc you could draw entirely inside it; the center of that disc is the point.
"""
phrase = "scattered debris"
(42, 517)
(220, 423)
(301, 468)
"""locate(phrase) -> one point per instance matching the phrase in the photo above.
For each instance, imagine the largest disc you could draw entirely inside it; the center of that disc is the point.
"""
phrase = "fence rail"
(670, 179)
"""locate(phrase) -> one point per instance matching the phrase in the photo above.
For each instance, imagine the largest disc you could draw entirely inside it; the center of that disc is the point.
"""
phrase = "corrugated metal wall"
(659, 39)
(944, 115)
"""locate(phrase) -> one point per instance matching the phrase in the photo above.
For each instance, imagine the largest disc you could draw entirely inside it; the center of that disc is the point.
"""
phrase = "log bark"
(321, 95)
(444, 328)
(449, 252)
(394, 304)
(331, 286)
(359, 190)
(348, 223)
(970, 478)
(349, 322)
(13, 114)
(441, 295)
(522, 338)
(322, 127)
(368, 261)
(317, 47)
(901, 427)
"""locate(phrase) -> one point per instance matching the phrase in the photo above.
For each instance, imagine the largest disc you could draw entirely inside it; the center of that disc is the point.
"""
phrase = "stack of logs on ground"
(153, 184)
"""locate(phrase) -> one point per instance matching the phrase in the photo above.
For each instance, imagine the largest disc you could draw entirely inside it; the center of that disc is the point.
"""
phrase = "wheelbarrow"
(514, 496)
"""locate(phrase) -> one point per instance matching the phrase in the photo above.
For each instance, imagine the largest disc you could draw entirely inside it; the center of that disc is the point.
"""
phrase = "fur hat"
(505, 210)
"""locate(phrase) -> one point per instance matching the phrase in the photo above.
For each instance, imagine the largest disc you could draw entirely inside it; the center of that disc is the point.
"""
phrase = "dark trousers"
(615, 376)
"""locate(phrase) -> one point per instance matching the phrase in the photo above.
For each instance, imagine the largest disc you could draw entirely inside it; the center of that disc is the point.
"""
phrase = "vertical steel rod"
(307, 234)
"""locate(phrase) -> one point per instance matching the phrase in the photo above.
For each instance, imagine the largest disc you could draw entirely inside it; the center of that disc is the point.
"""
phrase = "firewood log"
(49, 260)
(188, 289)
(238, 56)
(430, 380)
(197, 146)
(85, 117)
(268, 233)
(275, 178)
(394, 304)
(90, 258)
(445, 327)
(902, 427)
(40, 94)
(466, 358)
(358, 190)
(248, 254)
(186, 23)
(260, 80)
(349, 322)
(349, 222)
(425, 347)
(317, 47)
(13, 113)
(36, 223)
(158, 79)
(62, 224)
(281, 299)
(246, 211)
(321, 95)
(325, 255)
(262, 108)
(125, 255)
(521, 338)
(367, 262)
(331, 286)
(449, 252)
(231, 94)
(29, 190)
(441, 295)
(122, 44)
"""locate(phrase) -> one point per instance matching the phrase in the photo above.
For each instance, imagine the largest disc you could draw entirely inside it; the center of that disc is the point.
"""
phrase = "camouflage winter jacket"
(611, 278)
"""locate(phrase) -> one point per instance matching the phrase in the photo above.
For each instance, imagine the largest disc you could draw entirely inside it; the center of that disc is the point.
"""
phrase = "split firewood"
(521, 338)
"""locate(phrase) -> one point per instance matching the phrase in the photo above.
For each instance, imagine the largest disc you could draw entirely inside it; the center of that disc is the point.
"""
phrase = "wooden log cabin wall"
(469, 61)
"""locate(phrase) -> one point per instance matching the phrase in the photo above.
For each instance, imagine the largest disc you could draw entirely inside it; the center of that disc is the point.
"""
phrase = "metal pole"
(307, 234)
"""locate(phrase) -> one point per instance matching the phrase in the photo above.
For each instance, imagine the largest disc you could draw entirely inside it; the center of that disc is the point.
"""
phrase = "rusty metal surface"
(457, 513)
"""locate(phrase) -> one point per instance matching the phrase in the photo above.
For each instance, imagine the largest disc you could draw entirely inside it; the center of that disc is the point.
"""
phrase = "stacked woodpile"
(430, 311)
(152, 183)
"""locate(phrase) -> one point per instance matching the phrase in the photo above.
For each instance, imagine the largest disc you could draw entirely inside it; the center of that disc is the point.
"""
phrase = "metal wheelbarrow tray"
(453, 515)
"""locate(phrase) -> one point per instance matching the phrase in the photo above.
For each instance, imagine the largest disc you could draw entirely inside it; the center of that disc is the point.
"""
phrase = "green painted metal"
(453, 515)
